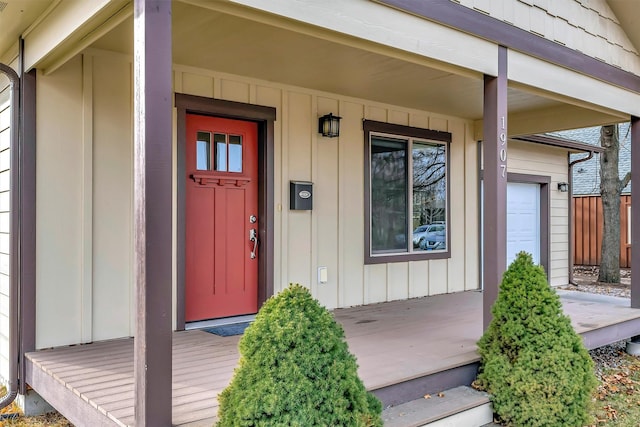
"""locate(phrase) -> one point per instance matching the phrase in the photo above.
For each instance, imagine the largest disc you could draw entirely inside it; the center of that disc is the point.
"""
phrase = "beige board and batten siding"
(589, 26)
(59, 220)
(84, 198)
(535, 159)
(84, 238)
(332, 234)
(5, 194)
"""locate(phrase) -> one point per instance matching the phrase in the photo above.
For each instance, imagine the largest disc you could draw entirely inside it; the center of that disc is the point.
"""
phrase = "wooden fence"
(587, 226)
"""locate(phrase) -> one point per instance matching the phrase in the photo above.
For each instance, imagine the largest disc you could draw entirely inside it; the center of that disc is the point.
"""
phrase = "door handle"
(253, 237)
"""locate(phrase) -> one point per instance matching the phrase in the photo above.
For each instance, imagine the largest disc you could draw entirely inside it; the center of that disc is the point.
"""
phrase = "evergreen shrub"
(295, 369)
(533, 364)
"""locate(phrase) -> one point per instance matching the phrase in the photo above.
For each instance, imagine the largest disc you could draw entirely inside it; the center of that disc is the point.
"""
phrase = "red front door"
(221, 218)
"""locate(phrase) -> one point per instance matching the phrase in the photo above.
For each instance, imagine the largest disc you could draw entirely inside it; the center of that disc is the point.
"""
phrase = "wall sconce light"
(329, 125)
(563, 187)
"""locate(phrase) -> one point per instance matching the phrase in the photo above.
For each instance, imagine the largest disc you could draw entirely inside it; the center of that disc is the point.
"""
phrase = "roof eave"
(554, 141)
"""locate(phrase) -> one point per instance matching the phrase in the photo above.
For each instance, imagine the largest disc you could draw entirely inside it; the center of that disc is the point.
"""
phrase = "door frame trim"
(264, 117)
(545, 212)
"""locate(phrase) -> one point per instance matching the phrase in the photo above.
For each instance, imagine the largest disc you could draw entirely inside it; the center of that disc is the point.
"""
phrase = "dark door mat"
(228, 330)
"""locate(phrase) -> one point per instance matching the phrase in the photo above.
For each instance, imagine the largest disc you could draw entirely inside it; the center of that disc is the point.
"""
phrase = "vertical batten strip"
(495, 183)
(152, 211)
(338, 231)
(283, 250)
(472, 223)
(86, 287)
(313, 137)
(217, 87)
(180, 209)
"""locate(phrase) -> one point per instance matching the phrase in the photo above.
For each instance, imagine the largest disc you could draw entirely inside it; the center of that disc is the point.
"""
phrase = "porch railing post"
(495, 183)
(635, 212)
(152, 211)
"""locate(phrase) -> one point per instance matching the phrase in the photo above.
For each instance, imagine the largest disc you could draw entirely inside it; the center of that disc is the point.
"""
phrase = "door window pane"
(388, 195)
(220, 141)
(235, 153)
(203, 151)
(227, 152)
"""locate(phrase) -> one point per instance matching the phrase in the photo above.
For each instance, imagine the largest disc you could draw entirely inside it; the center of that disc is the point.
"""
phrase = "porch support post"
(152, 211)
(495, 183)
(27, 221)
(635, 212)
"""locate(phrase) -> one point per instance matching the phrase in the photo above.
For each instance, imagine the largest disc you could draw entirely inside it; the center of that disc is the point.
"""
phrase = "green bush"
(295, 369)
(533, 363)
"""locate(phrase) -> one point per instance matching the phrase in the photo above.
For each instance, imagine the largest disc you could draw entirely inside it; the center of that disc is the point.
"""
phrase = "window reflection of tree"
(429, 183)
(389, 190)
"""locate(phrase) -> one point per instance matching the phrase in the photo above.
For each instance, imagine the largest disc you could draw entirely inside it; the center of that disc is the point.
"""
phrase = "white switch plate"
(322, 275)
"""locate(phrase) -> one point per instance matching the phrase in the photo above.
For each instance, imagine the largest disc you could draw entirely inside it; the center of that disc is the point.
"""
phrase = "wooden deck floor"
(394, 342)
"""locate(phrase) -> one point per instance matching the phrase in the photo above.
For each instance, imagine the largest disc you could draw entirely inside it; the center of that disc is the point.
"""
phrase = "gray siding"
(5, 114)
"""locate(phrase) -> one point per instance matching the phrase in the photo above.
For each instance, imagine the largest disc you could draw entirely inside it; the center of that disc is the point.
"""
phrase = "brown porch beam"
(474, 22)
(152, 211)
(495, 183)
(635, 212)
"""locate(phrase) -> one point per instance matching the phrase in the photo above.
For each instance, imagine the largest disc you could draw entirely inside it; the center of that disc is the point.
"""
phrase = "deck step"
(460, 406)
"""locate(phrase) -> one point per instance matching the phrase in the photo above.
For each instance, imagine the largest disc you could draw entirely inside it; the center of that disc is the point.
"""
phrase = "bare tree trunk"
(610, 189)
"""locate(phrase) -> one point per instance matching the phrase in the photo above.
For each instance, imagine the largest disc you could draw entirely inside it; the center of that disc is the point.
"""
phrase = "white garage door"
(523, 220)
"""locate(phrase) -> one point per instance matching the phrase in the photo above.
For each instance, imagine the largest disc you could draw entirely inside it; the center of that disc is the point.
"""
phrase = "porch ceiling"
(218, 41)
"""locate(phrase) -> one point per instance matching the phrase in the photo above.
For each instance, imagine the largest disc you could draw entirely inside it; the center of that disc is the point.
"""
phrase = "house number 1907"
(503, 149)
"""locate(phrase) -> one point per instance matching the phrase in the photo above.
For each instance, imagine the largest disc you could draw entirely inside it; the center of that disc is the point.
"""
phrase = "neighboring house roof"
(586, 175)
(555, 141)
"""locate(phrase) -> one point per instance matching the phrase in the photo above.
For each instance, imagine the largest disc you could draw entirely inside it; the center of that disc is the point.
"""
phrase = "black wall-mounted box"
(300, 195)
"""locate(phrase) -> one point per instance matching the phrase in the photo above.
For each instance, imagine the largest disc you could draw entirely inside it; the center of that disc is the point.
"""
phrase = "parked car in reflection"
(430, 236)
(433, 245)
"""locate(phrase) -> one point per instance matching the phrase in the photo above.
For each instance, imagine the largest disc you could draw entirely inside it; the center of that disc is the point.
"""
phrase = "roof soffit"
(235, 44)
(67, 27)
(15, 17)
(398, 79)
(487, 27)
